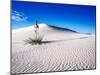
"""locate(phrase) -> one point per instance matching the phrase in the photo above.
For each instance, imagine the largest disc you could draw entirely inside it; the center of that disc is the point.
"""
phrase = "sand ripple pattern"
(77, 54)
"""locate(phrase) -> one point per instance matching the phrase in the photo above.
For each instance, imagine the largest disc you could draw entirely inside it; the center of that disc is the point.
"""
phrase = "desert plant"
(37, 39)
(34, 41)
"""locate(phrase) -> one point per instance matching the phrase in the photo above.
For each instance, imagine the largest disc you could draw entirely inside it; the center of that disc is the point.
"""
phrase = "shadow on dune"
(44, 42)
(53, 41)
(62, 29)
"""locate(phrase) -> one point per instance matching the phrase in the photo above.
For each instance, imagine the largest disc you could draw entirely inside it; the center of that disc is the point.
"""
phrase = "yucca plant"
(37, 39)
(34, 41)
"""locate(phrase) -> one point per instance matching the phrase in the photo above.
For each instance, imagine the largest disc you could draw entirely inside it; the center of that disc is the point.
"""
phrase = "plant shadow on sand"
(39, 41)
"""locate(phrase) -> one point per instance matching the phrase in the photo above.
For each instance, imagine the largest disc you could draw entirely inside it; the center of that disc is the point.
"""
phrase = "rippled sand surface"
(63, 51)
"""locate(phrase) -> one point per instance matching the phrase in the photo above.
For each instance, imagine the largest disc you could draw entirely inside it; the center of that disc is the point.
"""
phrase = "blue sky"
(76, 17)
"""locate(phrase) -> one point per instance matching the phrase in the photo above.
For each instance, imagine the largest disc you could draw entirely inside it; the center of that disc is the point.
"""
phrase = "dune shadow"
(62, 40)
(53, 41)
(44, 42)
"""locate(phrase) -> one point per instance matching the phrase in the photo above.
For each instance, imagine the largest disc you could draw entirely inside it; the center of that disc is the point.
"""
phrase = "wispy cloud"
(18, 16)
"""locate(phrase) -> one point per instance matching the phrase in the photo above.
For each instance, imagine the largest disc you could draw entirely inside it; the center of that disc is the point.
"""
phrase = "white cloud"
(18, 16)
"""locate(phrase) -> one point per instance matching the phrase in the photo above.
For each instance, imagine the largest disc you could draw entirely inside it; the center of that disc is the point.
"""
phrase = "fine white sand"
(62, 50)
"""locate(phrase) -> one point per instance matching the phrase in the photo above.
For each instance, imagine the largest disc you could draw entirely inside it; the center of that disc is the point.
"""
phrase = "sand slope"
(68, 50)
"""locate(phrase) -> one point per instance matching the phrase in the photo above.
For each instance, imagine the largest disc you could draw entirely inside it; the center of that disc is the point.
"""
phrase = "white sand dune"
(64, 50)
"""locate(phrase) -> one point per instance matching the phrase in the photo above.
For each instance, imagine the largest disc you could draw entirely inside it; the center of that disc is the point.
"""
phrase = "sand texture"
(61, 50)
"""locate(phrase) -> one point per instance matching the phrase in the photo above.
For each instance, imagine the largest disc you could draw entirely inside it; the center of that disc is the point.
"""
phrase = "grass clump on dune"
(34, 41)
(37, 39)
